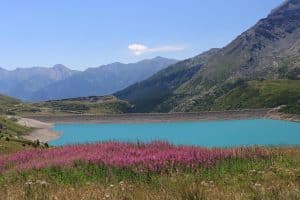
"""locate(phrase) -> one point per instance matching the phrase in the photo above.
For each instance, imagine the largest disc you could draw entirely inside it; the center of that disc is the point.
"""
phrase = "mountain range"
(260, 68)
(59, 82)
(22, 82)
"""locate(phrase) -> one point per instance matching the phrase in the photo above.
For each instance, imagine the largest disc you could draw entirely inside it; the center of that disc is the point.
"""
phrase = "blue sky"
(89, 33)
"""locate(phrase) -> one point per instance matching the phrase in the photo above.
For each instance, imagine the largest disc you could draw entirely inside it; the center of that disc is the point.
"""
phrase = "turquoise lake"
(208, 134)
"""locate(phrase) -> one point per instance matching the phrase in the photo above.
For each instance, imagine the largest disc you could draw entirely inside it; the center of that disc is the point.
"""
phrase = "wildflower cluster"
(154, 157)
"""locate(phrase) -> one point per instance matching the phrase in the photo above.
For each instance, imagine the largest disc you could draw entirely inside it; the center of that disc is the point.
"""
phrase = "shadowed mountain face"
(22, 82)
(268, 50)
(59, 82)
(148, 94)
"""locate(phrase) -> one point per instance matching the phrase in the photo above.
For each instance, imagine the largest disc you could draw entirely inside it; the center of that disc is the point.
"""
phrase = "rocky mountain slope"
(268, 50)
(148, 95)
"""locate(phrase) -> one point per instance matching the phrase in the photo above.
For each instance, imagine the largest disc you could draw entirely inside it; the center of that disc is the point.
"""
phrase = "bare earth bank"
(44, 123)
(41, 130)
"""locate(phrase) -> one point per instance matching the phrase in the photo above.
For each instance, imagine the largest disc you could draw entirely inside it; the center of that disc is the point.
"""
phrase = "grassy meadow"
(150, 171)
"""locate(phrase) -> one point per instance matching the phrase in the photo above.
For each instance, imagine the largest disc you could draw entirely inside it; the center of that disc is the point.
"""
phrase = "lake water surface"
(209, 133)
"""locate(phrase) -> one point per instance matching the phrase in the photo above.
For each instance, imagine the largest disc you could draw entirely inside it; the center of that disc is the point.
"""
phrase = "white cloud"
(138, 49)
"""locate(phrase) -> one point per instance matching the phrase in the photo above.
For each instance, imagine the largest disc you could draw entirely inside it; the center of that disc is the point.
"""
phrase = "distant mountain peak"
(102, 80)
(116, 63)
(286, 5)
(60, 67)
(159, 59)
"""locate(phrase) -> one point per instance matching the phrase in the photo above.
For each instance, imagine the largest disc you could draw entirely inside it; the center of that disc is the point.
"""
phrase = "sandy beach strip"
(42, 131)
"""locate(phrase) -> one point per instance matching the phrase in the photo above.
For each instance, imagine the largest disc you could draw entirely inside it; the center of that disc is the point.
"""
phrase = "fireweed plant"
(154, 157)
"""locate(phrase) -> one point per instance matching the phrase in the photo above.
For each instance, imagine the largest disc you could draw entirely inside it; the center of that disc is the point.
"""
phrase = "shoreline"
(151, 117)
(43, 124)
(42, 131)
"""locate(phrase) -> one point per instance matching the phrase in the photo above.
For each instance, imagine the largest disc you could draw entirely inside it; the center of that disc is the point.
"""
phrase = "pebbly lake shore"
(43, 124)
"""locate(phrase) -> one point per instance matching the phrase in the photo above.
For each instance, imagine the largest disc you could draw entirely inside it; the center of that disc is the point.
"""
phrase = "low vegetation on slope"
(84, 105)
(235, 95)
(11, 106)
(262, 94)
(8, 126)
(253, 94)
(7, 104)
(81, 105)
(11, 136)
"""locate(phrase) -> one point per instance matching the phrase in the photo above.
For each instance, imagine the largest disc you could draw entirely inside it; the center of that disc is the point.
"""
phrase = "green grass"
(84, 105)
(10, 127)
(245, 94)
(7, 103)
(105, 105)
(274, 178)
(11, 136)
(253, 94)
(292, 108)
(11, 106)
(262, 94)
